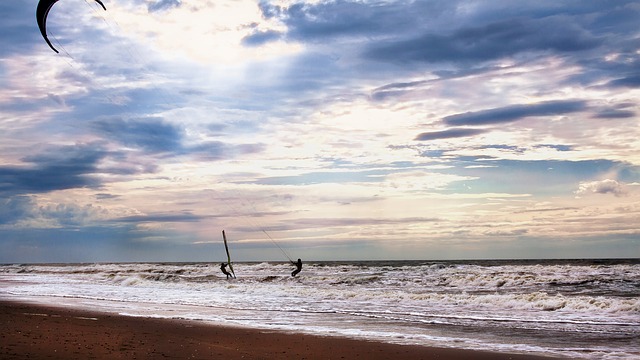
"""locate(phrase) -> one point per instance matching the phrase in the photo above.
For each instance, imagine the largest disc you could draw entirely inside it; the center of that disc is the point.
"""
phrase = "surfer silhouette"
(223, 267)
(298, 268)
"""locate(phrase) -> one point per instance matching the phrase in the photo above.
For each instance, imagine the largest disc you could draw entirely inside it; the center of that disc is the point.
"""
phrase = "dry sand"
(44, 332)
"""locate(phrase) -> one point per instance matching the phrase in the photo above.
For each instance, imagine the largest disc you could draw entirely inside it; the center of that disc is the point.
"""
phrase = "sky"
(321, 130)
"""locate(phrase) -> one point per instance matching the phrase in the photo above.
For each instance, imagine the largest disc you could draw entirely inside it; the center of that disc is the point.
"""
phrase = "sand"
(46, 332)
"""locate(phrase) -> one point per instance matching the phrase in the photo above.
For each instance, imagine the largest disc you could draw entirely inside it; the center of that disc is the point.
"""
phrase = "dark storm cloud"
(336, 19)
(261, 37)
(447, 34)
(58, 168)
(489, 42)
(105, 196)
(556, 147)
(211, 150)
(632, 81)
(620, 17)
(615, 112)
(182, 217)
(217, 150)
(396, 89)
(18, 28)
(157, 137)
(15, 209)
(68, 215)
(449, 134)
(400, 85)
(563, 26)
(515, 112)
(614, 66)
(163, 5)
(152, 135)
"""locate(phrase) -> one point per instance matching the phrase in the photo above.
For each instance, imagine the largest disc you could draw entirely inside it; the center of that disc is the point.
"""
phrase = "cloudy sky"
(329, 129)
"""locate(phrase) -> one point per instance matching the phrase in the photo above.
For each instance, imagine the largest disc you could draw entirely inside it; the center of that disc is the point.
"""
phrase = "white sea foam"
(505, 306)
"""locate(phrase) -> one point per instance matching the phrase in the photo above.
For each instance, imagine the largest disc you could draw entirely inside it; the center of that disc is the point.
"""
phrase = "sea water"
(575, 308)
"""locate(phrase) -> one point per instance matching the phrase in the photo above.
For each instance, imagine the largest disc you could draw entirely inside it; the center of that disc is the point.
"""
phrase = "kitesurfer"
(298, 268)
(223, 267)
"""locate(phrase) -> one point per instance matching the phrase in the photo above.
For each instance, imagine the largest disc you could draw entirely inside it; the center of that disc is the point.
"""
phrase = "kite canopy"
(41, 16)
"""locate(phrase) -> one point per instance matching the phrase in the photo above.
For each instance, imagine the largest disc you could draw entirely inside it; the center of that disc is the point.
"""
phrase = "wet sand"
(45, 332)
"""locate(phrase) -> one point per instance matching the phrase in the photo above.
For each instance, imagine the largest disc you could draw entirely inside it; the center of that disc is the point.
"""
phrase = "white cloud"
(607, 186)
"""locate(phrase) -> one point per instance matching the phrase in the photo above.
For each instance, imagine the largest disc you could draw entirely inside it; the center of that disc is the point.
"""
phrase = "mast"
(226, 247)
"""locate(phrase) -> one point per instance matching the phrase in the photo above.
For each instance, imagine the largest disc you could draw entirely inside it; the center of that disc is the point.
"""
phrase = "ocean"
(569, 308)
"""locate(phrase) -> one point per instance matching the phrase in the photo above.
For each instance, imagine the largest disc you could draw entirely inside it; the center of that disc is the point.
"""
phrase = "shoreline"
(34, 331)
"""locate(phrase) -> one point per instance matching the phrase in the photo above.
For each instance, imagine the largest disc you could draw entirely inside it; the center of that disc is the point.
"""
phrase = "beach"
(375, 309)
(33, 331)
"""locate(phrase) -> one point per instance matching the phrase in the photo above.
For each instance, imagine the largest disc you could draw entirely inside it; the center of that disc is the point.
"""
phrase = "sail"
(226, 247)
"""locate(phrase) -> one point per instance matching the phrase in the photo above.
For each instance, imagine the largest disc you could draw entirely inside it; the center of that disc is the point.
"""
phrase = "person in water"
(298, 268)
(223, 267)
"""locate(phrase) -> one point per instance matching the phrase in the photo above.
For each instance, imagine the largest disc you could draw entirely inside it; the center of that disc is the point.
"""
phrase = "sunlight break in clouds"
(206, 31)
